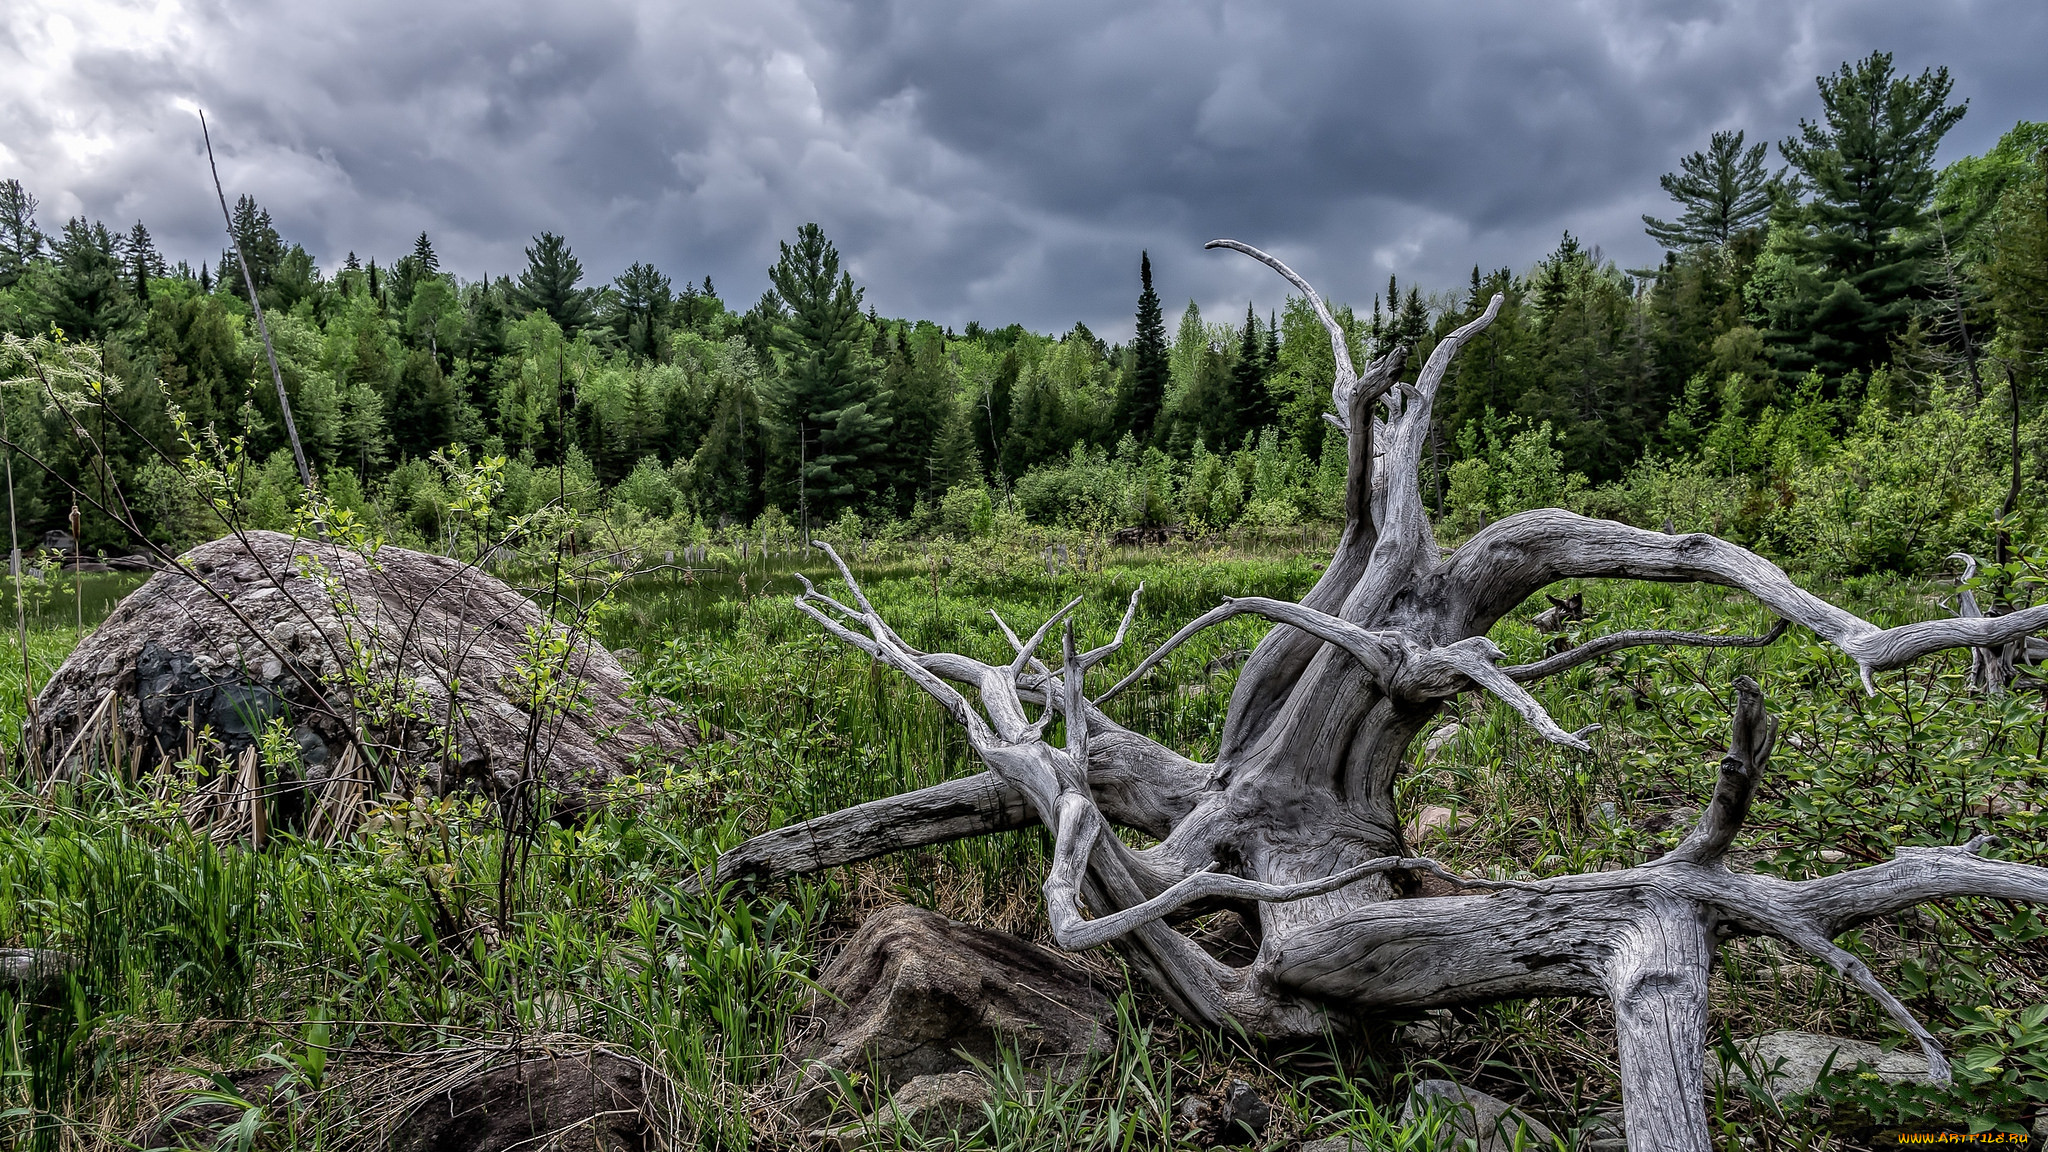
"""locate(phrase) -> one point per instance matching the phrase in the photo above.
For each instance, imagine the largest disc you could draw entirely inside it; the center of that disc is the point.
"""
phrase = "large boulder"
(267, 625)
(915, 994)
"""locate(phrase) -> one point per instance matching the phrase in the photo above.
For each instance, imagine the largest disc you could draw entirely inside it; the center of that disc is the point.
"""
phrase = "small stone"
(1832, 856)
(929, 1105)
(1432, 818)
(1494, 1124)
(1438, 739)
(1245, 1115)
(1191, 1113)
(1431, 1032)
(1603, 1133)
(1790, 1062)
(31, 973)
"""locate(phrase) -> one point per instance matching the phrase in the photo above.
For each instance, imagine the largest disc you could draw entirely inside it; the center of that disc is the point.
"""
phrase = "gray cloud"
(993, 161)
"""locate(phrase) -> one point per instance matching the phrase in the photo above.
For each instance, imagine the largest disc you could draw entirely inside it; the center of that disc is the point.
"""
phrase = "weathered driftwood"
(1297, 818)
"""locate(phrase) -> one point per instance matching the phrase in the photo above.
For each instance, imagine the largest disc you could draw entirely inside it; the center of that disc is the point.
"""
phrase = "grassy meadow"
(349, 964)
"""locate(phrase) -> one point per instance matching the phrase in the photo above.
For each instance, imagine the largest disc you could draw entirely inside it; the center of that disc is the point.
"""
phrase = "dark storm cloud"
(991, 161)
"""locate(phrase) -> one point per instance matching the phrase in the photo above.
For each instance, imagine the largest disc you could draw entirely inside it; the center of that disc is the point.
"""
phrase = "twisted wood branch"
(1296, 822)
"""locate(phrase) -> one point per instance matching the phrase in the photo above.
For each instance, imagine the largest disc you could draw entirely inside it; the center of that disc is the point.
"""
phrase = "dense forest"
(1839, 358)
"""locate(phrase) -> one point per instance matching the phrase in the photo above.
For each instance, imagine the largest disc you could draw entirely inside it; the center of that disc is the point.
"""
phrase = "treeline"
(1840, 356)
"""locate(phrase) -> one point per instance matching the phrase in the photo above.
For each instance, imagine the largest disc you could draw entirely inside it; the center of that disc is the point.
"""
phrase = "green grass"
(199, 955)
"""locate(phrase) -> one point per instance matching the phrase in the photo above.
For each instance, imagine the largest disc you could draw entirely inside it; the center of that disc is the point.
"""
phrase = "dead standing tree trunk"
(1296, 821)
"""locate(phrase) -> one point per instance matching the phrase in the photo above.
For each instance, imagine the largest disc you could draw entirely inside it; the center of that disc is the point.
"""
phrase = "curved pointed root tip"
(1579, 738)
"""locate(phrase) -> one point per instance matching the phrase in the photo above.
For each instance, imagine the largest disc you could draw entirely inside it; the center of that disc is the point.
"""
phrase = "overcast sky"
(986, 160)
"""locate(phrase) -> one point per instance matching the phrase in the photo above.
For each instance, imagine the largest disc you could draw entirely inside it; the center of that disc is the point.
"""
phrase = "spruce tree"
(1862, 245)
(138, 249)
(1724, 190)
(258, 241)
(548, 284)
(1251, 406)
(922, 395)
(1146, 387)
(832, 422)
(424, 258)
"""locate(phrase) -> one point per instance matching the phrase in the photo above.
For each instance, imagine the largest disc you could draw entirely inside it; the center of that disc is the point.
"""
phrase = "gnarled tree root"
(1297, 823)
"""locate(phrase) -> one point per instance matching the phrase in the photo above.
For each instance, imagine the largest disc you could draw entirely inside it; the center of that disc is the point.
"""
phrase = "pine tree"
(1862, 245)
(1724, 190)
(86, 292)
(642, 307)
(21, 242)
(831, 413)
(1145, 389)
(549, 281)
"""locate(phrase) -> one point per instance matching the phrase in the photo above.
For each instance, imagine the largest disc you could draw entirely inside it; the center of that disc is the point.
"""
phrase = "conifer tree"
(643, 303)
(85, 293)
(922, 395)
(424, 258)
(423, 406)
(1724, 190)
(259, 242)
(21, 242)
(138, 249)
(548, 284)
(832, 422)
(1251, 406)
(1145, 389)
(1861, 246)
